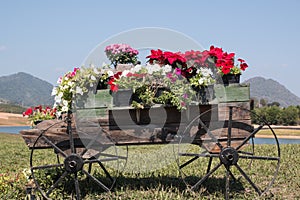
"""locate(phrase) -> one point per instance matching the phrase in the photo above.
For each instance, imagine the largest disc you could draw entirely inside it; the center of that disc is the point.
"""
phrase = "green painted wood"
(103, 98)
(232, 92)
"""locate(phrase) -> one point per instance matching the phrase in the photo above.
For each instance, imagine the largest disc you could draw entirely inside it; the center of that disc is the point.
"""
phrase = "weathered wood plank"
(232, 92)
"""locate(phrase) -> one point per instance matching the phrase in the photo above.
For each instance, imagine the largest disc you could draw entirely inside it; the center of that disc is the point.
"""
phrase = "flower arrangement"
(121, 54)
(145, 81)
(38, 113)
(166, 58)
(65, 91)
(216, 58)
(181, 76)
(225, 61)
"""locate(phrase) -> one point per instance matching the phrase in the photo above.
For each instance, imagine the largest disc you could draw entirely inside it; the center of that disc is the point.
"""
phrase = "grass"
(137, 182)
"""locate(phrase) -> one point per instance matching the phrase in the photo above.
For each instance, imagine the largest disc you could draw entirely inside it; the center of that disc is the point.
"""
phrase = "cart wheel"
(229, 143)
(73, 169)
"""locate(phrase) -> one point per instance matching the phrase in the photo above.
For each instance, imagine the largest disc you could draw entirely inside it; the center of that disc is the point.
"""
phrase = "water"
(272, 141)
(13, 129)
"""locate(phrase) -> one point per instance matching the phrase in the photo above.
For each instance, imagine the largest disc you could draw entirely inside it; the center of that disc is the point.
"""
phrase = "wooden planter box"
(232, 92)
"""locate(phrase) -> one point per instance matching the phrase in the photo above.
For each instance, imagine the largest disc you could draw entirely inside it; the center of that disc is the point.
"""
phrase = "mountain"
(26, 90)
(273, 91)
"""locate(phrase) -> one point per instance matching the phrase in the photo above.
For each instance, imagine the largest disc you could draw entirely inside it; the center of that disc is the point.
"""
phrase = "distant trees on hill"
(274, 114)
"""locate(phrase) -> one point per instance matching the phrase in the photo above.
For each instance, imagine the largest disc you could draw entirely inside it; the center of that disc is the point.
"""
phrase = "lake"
(13, 129)
(16, 129)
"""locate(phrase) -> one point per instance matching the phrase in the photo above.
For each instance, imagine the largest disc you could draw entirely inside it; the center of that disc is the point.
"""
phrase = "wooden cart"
(205, 137)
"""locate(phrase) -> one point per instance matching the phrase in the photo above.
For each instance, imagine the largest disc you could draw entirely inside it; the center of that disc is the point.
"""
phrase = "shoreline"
(278, 136)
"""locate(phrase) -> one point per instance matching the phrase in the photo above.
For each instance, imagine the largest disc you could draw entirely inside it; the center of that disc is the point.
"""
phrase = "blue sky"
(48, 38)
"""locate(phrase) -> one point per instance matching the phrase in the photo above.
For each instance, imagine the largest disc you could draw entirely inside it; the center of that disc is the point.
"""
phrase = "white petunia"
(136, 68)
(79, 90)
(110, 73)
(60, 94)
(201, 81)
(54, 91)
(64, 109)
(57, 99)
(93, 78)
(65, 103)
(124, 73)
(166, 69)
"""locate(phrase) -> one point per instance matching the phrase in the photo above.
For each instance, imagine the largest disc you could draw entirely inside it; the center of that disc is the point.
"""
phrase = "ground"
(10, 119)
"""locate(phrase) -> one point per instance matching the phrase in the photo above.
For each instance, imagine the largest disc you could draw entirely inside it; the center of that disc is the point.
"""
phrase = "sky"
(48, 38)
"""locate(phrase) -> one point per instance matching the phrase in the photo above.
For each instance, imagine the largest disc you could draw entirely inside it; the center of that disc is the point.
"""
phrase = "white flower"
(93, 78)
(166, 69)
(110, 73)
(64, 109)
(59, 80)
(206, 72)
(79, 90)
(54, 91)
(71, 84)
(65, 103)
(57, 99)
(124, 73)
(60, 94)
(201, 81)
(136, 68)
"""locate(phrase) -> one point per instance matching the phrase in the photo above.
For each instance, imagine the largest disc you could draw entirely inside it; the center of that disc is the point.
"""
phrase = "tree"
(263, 102)
(271, 115)
(290, 116)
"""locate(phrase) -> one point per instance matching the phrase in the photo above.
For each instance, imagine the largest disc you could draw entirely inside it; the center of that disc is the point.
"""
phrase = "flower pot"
(123, 97)
(231, 79)
(122, 67)
(159, 92)
(204, 95)
(101, 85)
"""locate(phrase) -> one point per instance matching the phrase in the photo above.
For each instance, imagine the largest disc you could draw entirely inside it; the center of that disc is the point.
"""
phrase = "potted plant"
(37, 114)
(121, 54)
(226, 66)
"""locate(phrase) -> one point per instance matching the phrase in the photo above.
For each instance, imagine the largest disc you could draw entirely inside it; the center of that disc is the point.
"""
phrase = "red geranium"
(166, 58)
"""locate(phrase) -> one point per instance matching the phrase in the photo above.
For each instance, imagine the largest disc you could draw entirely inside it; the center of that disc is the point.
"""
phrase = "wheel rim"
(248, 166)
(72, 169)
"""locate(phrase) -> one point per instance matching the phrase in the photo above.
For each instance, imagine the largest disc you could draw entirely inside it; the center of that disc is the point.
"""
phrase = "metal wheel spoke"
(56, 183)
(96, 181)
(188, 162)
(47, 166)
(250, 136)
(206, 176)
(245, 152)
(89, 145)
(227, 184)
(253, 157)
(229, 127)
(210, 134)
(77, 190)
(248, 179)
(195, 157)
(54, 146)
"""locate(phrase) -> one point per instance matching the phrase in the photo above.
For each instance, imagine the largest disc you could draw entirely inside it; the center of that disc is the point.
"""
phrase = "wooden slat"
(232, 92)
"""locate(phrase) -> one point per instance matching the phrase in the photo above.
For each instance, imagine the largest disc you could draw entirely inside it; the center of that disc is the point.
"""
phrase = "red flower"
(28, 112)
(39, 108)
(167, 57)
(174, 57)
(243, 65)
(156, 56)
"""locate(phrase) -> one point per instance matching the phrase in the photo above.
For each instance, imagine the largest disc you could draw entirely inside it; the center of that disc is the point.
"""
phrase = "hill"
(26, 90)
(272, 91)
